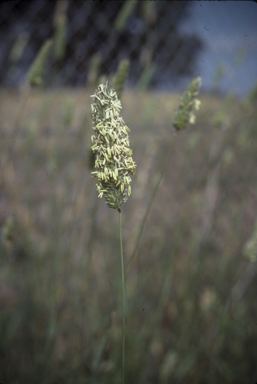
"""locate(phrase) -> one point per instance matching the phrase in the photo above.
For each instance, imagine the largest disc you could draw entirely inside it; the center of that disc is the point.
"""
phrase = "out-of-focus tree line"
(87, 33)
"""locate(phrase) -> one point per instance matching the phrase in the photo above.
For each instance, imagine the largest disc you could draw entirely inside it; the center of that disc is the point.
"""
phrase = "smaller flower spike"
(188, 102)
(113, 162)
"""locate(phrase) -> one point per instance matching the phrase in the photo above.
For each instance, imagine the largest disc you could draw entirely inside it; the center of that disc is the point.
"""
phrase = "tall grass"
(190, 318)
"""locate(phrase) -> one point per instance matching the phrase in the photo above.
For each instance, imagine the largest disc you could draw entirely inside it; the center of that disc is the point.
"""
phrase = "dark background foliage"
(148, 36)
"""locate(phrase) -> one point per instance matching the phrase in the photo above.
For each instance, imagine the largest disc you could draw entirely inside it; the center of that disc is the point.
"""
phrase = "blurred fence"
(90, 38)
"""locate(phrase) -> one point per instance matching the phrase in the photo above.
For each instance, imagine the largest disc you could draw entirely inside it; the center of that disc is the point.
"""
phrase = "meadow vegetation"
(191, 288)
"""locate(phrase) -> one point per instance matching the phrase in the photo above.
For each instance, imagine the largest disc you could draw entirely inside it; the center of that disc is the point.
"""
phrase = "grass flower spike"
(35, 74)
(110, 143)
(188, 102)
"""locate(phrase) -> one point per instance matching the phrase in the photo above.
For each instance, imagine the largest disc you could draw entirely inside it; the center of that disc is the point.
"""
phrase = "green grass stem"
(161, 171)
(123, 300)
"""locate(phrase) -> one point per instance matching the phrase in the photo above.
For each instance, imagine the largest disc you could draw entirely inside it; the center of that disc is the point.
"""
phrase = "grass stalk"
(123, 300)
(161, 171)
(113, 173)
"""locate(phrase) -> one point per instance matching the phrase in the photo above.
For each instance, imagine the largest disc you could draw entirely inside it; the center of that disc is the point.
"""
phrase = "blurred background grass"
(191, 293)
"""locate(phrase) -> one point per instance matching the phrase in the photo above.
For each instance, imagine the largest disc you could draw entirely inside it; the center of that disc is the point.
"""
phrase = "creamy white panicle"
(110, 144)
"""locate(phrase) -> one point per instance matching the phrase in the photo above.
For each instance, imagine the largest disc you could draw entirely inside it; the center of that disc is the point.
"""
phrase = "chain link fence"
(90, 38)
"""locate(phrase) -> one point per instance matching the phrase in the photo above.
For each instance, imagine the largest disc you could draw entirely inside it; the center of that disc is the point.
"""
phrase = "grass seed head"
(121, 76)
(110, 143)
(188, 102)
(35, 74)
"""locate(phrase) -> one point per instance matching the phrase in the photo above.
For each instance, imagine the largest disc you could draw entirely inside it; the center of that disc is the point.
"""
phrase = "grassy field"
(191, 290)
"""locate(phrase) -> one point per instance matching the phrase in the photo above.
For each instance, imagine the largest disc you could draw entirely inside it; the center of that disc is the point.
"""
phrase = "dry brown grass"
(189, 257)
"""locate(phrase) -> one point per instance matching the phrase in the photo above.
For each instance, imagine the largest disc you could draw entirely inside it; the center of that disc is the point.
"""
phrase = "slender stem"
(162, 168)
(123, 301)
